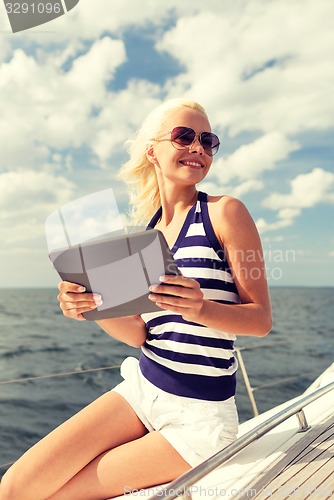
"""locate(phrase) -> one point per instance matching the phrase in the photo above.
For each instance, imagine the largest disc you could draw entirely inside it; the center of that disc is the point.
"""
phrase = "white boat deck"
(306, 470)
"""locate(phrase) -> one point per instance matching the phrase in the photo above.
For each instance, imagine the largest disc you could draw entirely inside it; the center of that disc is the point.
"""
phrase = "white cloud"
(43, 107)
(4, 47)
(250, 160)
(4, 22)
(247, 164)
(26, 198)
(19, 189)
(307, 190)
(91, 19)
(264, 226)
(237, 191)
(91, 71)
(248, 74)
(246, 187)
(120, 116)
(289, 213)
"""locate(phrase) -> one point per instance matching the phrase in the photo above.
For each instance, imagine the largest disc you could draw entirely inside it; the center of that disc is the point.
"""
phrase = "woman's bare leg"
(142, 463)
(105, 424)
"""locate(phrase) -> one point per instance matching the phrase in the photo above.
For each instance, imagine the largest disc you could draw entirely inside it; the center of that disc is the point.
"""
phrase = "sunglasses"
(183, 137)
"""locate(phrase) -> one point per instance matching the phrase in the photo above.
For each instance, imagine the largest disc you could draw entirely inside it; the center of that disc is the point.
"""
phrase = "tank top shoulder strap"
(211, 235)
(154, 219)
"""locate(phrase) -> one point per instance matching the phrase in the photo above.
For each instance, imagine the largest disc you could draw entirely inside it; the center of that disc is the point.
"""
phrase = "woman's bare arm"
(74, 302)
(130, 329)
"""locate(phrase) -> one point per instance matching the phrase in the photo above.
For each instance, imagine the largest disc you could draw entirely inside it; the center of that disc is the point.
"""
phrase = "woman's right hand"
(73, 300)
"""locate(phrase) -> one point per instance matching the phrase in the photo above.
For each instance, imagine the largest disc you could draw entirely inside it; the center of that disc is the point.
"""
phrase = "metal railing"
(181, 486)
(251, 389)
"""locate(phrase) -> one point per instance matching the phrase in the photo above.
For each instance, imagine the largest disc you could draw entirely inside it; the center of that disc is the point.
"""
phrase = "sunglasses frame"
(179, 146)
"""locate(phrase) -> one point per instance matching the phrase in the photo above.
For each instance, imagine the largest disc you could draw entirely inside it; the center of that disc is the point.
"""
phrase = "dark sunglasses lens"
(210, 143)
(183, 136)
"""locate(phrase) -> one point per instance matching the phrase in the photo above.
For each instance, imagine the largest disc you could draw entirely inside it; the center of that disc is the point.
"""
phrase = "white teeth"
(192, 163)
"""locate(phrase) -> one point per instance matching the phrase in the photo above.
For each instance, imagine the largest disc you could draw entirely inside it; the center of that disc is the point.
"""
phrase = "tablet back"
(120, 269)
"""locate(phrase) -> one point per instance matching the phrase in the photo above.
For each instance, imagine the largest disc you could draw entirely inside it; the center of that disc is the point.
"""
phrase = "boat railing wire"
(56, 375)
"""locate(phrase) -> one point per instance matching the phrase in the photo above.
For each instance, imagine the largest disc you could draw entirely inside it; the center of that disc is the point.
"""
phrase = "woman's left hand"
(180, 295)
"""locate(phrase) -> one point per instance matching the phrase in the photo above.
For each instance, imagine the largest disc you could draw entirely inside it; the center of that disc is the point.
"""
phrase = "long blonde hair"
(138, 172)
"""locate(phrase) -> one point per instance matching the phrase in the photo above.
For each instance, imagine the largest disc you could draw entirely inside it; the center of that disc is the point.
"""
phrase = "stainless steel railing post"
(248, 386)
(303, 425)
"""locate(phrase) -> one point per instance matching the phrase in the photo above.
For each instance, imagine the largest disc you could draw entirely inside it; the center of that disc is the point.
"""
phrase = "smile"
(192, 164)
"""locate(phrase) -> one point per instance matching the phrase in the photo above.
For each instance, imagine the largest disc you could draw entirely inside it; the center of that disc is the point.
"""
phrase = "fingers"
(73, 301)
(179, 286)
(66, 286)
(171, 279)
(180, 295)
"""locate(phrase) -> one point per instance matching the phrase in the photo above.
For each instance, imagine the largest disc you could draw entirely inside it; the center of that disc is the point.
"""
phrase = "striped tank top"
(182, 357)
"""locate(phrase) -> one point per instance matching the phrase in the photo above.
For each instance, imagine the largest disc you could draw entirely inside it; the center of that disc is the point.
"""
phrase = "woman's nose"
(196, 146)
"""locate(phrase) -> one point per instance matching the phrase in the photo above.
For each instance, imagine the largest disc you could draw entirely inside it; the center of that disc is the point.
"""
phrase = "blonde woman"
(176, 405)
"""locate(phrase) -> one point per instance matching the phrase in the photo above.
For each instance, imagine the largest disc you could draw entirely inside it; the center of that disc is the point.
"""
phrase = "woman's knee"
(7, 487)
(12, 488)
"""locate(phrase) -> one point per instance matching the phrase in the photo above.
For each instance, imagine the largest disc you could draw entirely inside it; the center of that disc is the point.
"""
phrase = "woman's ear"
(150, 153)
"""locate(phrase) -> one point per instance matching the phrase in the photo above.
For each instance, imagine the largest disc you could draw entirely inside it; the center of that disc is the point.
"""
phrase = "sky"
(74, 90)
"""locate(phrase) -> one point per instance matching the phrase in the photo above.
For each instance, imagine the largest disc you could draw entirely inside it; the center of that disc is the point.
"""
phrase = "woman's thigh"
(145, 462)
(106, 423)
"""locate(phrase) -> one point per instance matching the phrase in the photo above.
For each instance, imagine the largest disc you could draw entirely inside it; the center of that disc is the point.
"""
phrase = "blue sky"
(74, 90)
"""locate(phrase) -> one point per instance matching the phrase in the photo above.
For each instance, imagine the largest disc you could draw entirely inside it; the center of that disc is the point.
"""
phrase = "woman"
(177, 406)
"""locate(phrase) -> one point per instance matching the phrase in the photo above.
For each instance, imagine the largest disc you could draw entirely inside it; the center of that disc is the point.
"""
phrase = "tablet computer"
(120, 269)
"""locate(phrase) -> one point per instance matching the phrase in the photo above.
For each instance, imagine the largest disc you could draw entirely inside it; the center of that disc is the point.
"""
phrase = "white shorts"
(197, 429)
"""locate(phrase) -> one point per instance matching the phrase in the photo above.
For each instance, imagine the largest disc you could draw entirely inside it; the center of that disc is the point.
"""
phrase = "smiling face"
(188, 165)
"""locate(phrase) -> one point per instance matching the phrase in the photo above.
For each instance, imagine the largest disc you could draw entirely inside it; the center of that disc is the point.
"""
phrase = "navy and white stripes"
(182, 357)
